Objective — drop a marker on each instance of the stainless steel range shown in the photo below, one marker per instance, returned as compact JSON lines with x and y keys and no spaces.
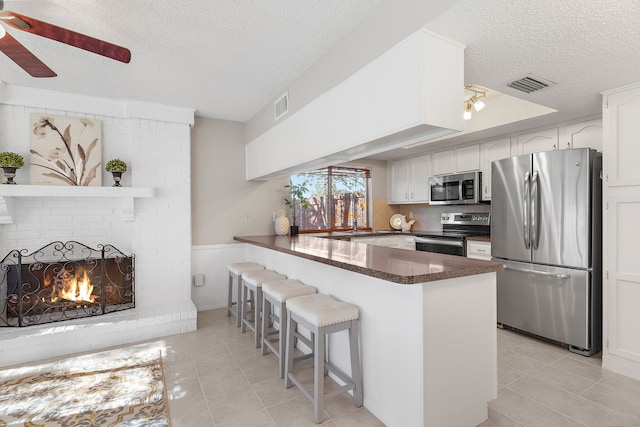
{"x":456,"y":227}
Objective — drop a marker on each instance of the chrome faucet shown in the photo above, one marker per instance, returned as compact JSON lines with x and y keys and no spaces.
{"x":355,"y":224}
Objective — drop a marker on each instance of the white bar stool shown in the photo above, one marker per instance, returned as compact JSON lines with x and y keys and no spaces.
{"x":323,"y":315}
{"x":276,"y":294}
{"x":252,"y":284}
{"x":236,"y":270}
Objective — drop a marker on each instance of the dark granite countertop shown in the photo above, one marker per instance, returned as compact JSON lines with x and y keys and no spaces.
{"x":394,"y":265}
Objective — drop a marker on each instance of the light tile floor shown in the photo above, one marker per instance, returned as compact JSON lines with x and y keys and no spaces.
{"x":215,"y":377}
{"x":544,"y":385}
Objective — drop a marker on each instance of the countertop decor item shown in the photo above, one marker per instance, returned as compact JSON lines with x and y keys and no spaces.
{"x":396,"y":221}
{"x":10,"y":162}
{"x":116,"y":167}
{"x":282,"y":224}
{"x":296,"y":200}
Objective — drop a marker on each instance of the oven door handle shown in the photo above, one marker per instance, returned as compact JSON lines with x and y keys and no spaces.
{"x":443,"y":242}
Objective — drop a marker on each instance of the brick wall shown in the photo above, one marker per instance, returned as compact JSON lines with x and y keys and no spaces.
{"x":157,"y":153}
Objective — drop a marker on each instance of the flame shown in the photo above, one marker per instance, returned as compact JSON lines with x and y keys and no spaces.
{"x":72,"y":289}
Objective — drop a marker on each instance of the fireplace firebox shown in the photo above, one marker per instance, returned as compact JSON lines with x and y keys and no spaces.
{"x":64,"y":281}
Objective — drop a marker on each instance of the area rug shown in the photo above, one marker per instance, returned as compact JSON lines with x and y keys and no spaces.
{"x":122,"y":387}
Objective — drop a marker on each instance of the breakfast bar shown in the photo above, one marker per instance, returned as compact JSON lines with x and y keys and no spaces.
{"x":427,"y":323}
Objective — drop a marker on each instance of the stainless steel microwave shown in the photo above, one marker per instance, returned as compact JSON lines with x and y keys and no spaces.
{"x":456,"y":189}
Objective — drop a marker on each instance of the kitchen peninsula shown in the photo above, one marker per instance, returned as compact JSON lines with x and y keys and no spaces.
{"x":427,"y":323}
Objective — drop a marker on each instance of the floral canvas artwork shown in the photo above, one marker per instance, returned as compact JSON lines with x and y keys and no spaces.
{"x":65,"y":150}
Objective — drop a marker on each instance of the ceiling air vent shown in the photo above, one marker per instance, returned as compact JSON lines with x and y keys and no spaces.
{"x":281,"y":106}
{"x":530,"y":83}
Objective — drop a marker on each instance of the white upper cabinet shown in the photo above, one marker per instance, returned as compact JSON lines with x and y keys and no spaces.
{"x":399,"y":181}
{"x":409,"y":94}
{"x":535,"y":142}
{"x":463,"y":159}
{"x":584,"y":135}
{"x":622,"y":133}
{"x":490,"y":151}
{"x":409,"y":180}
{"x":442,"y":162}
{"x":467,"y":158}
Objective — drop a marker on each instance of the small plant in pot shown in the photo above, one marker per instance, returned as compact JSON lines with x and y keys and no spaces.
{"x":297,"y":198}
{"x":116,"y":167}
{"x":10,"y":162}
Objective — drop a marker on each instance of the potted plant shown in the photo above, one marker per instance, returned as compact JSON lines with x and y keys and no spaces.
{"x":297,"y":197}
{"x":9,"y":162}
{"x":116,"y":167}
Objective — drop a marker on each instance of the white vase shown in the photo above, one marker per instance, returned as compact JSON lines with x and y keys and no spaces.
{"x":282,"y":224}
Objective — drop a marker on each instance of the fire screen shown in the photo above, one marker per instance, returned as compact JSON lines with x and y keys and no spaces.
{"x":64,"y":281}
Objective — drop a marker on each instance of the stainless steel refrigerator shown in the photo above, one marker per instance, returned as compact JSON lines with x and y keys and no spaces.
{"x":546,"y":228}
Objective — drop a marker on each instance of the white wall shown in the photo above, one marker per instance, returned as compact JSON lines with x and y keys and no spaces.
{"x":222,"y":197}
{"x":157,"y":151}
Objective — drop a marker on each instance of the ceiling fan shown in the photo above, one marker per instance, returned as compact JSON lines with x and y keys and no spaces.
{"x":29,"y":62}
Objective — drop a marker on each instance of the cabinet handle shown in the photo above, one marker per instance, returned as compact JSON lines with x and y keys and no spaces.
{"x":554,"y":146}
{"x":406,"y":196}
{"x":568,"y":145}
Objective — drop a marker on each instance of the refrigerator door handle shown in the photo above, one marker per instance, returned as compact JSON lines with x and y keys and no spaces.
{"x":526,"y":212}
{"x":541,"y":273}
{"x":535,"y":214}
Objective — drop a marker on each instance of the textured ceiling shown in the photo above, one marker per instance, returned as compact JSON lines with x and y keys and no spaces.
{"x":585,"y":46}
{"x":228,"y":58}
{"x":224,"y":58}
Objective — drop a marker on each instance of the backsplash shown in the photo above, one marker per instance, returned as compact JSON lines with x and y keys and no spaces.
{"x":428,"y":217}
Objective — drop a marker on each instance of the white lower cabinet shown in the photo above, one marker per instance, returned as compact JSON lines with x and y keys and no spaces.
{"x":479,"y":250}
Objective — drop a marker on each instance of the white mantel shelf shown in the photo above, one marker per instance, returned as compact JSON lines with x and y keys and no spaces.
{"x":127,"y":194}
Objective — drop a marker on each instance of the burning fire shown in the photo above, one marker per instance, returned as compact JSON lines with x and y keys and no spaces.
{"x":68,"y":287}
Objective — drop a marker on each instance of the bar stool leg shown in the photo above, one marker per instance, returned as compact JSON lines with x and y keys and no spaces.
{"x":240,"y":300}
{"x":230,"y":299}
{"x":282,"y":336}
{"x":266,"y":320}
{"x":257,"y":315}
{"x":291,"y":328}
{"x":318,"y":374}
{"x":356,"y":373}
{"x":243,"y":313}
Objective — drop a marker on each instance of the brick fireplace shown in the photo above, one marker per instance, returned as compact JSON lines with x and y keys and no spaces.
{"x":154,"y":140}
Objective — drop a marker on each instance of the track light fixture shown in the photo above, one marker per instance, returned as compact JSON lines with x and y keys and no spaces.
{"x":474,"y":100}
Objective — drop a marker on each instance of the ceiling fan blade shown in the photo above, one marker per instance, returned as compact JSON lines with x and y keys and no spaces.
{"x":65,"y":36}
{"x":25,"y":59}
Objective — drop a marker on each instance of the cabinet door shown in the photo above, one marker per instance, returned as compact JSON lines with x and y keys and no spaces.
{"x":535,"y":142}
{"x":419,"y":180}
{"x":622,"y":277}
{"x":467,"y":158}
{"x":399,"y":181}
{"x":442,"y":162}
{"x":584,"y":135}
{"x":490,"y":151}
{"x":479,"y":250}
